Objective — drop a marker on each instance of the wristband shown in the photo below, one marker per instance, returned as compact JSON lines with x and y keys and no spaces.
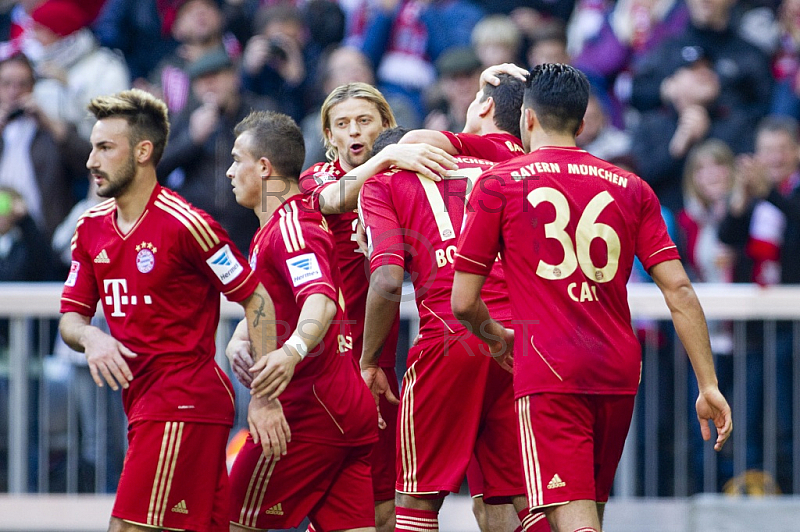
{"x":299,"y":345}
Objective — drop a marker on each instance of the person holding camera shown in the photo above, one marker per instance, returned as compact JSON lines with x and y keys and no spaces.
{"x":274,"y":62}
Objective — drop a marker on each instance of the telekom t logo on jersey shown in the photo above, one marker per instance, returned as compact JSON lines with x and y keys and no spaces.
{"x":119,"y":296}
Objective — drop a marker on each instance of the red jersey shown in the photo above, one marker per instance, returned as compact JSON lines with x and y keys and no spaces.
{"x":351,"y":263}
{"x":294,"y":256}
{"x":160,"y":286}
{"x":414,"y":223}
{"x":568,"y":225}
{"x":495,"y":147}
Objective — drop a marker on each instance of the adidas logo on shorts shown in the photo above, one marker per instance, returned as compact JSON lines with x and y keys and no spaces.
{"x":180,"y":508}
{"x":556,"y":482}
{"x":275,"y":510}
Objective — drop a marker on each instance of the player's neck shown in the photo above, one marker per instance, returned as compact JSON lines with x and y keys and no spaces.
{"x":488,"y":127}
{"x":131,"y":204}
{"x":541,"y":138}
{"x":276,"y":192}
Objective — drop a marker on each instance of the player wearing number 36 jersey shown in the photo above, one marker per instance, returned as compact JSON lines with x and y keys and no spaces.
{"x":567,"y":226}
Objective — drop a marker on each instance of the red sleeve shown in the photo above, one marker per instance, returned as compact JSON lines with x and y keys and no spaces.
{"x":314,"y":180}
{"x":80,"y":289}
{"x":384,"y":232}
{"x":653,"y":244}
{"x":474,"y":145}
{"x":221,"y":263}
{"x":479,"y":242}
{"x":303,"y":256}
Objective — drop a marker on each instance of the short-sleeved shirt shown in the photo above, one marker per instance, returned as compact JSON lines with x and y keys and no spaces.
{"x":495,"y":147}
{"x":567,"y":225}
{"x":294,"y":257}
{"x":414,"y":223}
{"x":351,"y":263}
{"x":159,"y":284}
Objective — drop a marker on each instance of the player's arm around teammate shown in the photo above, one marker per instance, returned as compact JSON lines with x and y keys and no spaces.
{"x":690,"y":324}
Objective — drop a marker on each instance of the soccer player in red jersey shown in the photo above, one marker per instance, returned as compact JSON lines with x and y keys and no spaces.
{"x":567,"y":226}
{"x":158,"y":265}
{"x":352,"y":116}
{"x":412,"y":224}
{"x":318,"y":465}
{"x":492,"y":126}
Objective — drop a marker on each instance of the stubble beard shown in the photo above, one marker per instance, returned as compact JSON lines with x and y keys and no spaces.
{"x":121,"y":182}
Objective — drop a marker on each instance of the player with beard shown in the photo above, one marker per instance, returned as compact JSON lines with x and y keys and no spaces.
{"x":568,"y":226}
{"x":159,"y":265}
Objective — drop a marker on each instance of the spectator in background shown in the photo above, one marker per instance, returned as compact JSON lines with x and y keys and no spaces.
{"x":630,"y":30}
{"x":201,"y":137}
{"x":762,"y":225}
{"x":599,"y":137}
{"x":742,"y":69}
{"x":707,"y":186}
{"x":459,"y":79}
{"x":695,"y":108}
{"x":73,"y":68}
{"x":404,"y":37}
{"x":786,"y":62}
{"x":548,"y":44}
{"x":274,"y":62}
{"x":496,"y":40}
{"x":340,"y":66}
{"x":39,"y":157}
{"x":198,"y":28}
{"x":24,"y":252}
{"x":140,"y":30}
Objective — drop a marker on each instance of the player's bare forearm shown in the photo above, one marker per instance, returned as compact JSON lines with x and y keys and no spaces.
{"x":430,"y":136}
{"x":260,"y":318}
{"x":383,"y":303}
{"x":72,"y":327}
{"x":688,"y":318}
{"x":315,"y":318}
{"x":469,"y":308}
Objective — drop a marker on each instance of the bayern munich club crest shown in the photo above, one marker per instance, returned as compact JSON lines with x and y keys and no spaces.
{"x":145,"y":257}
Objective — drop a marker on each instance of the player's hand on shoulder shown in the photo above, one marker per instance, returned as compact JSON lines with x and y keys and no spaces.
{"x":490,"y":74}
{"x":241,"y":360}
{"x":273,"y":372}
{"x":106,"y":358}
{"x":424,"y":159}
{"x":268,"y":426}
{"x":502,"y":350}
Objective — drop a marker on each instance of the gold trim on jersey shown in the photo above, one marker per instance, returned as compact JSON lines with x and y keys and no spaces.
{"x":662,"y":249}
{"x":402,"y":259}
{"x":238,"y":286}
{"x":408,"y":441}
{"x":124,"y":236}
{"x":254,"y":497}
{"x":545,"y":360}
{"x":167,"y":458}
{"x":230,"y":392}
{"x":192,"y":212}
{"x":290,"y":227}
{"x":76,"y":302}
{"x":530,"y":455}
{"x":205,"y":236}
{"x":422,"y":304}
{"x":98,"y":210}
{"x":314,"y":389}
{"x":315,"y":284}
{"x":457,"y":254}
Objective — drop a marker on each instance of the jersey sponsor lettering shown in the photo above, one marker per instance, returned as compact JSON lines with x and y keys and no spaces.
{"x":303,"y":269}
{"x":72,"y":278}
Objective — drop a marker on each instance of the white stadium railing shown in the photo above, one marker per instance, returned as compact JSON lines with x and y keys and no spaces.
{"x":660,"y":459}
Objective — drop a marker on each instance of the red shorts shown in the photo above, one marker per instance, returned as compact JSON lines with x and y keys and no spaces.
{"x":456,"y":402}
{"x":384,"y":453}
{"x":571,"y":445}
{"x":174,"y":476}
{"x":329,"y":484}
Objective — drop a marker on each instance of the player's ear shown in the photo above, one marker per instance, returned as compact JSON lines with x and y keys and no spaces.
{"x":143,"y":151}
{"x":486,"y":107}
{"x":265,"y":168}
{"x":528,"y":118}
{"x":580,"y":127}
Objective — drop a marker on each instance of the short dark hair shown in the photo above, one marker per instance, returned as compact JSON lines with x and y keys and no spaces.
{"x":146,"y":115}
{"x":558,"y":94}
{"x":22,"y":59}
{"x":779,"y":124}
{"x":507,"y":97}
{"x":278,"y":138}
{"x":391,"y":135}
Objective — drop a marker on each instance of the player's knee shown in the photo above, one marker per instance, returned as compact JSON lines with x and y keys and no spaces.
{"x":384,"y":516}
